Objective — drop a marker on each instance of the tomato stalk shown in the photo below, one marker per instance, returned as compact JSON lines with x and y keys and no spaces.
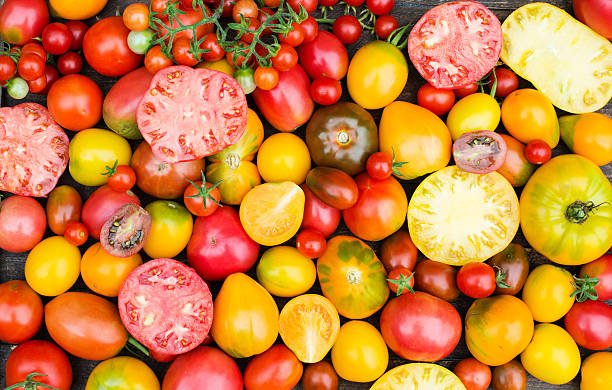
{"x":365,"y":18}
{"x":31,"y":384}
{"x":12,"y":54}
{"x":110,"y":171}
{"x":396,"y":38}
{"x":500,"y":277}
{"x":396,"y":165}
{"x":134,"y":347}
{"x":578,"y":212}
{"x":585,"y":288}
{"x":403,"y":283}
{"x":205,"y":192}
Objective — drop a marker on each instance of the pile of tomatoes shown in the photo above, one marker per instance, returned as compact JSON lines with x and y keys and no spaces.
{"x":352,"y":231}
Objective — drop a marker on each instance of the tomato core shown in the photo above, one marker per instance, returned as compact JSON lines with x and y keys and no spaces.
{"x":343,"y":138}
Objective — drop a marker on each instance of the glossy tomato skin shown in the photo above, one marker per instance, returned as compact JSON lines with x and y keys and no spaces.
{"x":398,"y":250}
{"x":39,"y":356}
{"x":475,"y":112}
{"x":527,"y":114}
{"x":596,"y":14}
{"x":325,"y":55}
{"x":106,"y":50}
{"x":285,"y":272}
{"x":52,"y":266}
{"x":537,"y":152}
{"x":600,"y":268}
{"x":122,"y":371}
{"x":516,"y":168}
{"x":277,"y":368}
{"x":380,"y":210}
{"x":437,"y":279}
{"x":104,"y":273}
{"x":22,"y":223}
{"x":318,"y":215}
{"x":75,"y":102}
{"x":22,"y":20}
{"x":101,"y":205}
{"x":589,"y":135}
{"x":476,"y":280}
{"x":595,"y":371}
{"x":171,"y":228}
{"x":513,"y":262}
{"x":333,"y":187}
{"x":590,"y":324}
{"x":22,"y":312}
{"x":509,"y":376}
{"x":438,"y":101}
{"x":85,"y":325}
{"x":420,"y":326}
{"x":320,"y":376}
{"x":507,"y":82}
{"x":473,"y":374}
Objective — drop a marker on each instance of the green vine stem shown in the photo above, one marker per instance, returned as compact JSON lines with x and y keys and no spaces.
{"x":396,"y":38}
{"x":31,"y":384}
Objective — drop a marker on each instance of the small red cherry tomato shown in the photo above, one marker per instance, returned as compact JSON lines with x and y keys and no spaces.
{"x":120,"y":178}
{"x":286,"y":58}
{"x":473,"y":374}
{"x":467,"y":90}
{"x":325,"y":90}
{"x":380,"y":7}
{"x":311,"y":243}
{"x":438,"y":101}
{"x":295,"y":37}
{"x":202,"y":198}
{"x":537,"y":152}
{"x":76,"y":233}
{"x":476,"y":280}
{"x":385,"y":25}
{"x":56,"y":38}
{"x":401,"y":281}
{"x":310,"y":28}
{"x":379,"y":165}
{"x":77,"y":29}
{"x":69,"y":63}
{"x":347,"y":28}
{"x":507,"y":82}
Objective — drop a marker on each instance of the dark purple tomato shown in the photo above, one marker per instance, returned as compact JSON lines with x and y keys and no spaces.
{"x":479,"y":151}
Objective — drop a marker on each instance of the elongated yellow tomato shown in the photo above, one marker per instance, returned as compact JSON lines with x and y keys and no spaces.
{"x":52,"y":266}
{"x":548,"y":292}
{"x":416,"y":376}
{"x":416,"y":136}
{"x":552,"y":355}
{"x":566,"y":210}
{"x":104,"y":273}
{"x":122,"y":373}
{"x":596,"y":373}
{"x":589,"y":135}
{"x":285,"y":272}
{"x":474,"y":112}
{"x":528,"y":115}
{"x":245,"y":317}
{"x":377,"y":75}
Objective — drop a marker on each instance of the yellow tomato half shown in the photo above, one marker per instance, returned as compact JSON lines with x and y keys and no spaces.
{"x":596,"y":372}
{"x":283,"y":157}
{"x":474,"y":112}
{"x":76,"y":9}
{"x":104,"y":273}
{"x":52,"y":266}
{"x":285,"y":272}
{"x":548,"y":293}
{"x":528,"y":115}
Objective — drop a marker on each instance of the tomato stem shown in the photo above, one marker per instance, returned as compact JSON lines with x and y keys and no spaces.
{"x":403,"y":283}
{"x":205,"y":192}
{"x":132,"y":342}
{"x":585,"y":288}
{"x":396,"y":165}
{"x":396,"y":37}
{"x":31,"y":384}
{"x":500,"y":277}
{"x":578,"y":212}
{"x":110,"y":171}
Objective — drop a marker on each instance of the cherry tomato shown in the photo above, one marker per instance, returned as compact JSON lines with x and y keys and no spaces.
{"x":181,"y":51}
{"x":271,"y":3}
{"x":437,"y":279}
{"x":537,"y":152}
{"x":252,"y":25}
{"x":51,"y":75}
{"x":473,"y":374}
{"x":7,"y":68}
{"x":507,"y":82}
{"x":467,"y":90}
{"x":398,"y":251}
{"x":69,"y":63}
{"x":347,"y":28}
{"x":385,"y":25}
{"x":235,"y":59}
{"x":438,"y":101}
{"x":155,"y":60}
{"x":311,"y":243}
{"x":76,"y":233}
{"x":401,"y":281}
{"x":202,"y":199}
{"x":318,"y":215}
{"x":159,"y":6}
{"x":77,"y":29}
{"x":37,"y":85}
{"x":320,"y":376}
{"x":228,"y":7}
{"x":266,"y":78}
{"x":244,"y":8}
{"x":354,"y":3}
{"x":22,"y":312}
{"x":136,"y":17}
{"x":121,"y":178}
{"x":56,"y":38}
{"x":295,"y":37}
{"x":30,"y":66}
{"x":328,"y":3}
{"x":379,"y":165}
{"x":310,"y":28}
{"x":35,"y":48}
{"x":380,"y":7}
{"x":286,"y":58}
{"x":476,"y":280}
{"x":210,"y":42}
{"x":325,"y":90}
{"x":309,"y":5}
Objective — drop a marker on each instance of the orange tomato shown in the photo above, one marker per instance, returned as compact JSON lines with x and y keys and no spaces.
{"x":528,"y":115}
{"x":589,"y":135}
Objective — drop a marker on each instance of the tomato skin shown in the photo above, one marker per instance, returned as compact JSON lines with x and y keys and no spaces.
{"x":234,"y":180}
{"x":507,"y":82}
{"x":101,"y":205}
{"x":52,"y":266}
{"x":22,"y":20}
{"x":437,"y":279}
{"x":380,"y":7}
{"x":51,"y":75}
{"x":76,"y":233}
{"x":320,"y":376}
{"x":537,"y":152}
{"x":397,"y":274}
{"x":22,"y":223}
{"x":548,"y":292}
{"x":136,"y":17}
{"x":385,"y":25}
{"x":465,"y":91}
{"x":509,"y":376}
{"x":104,"y":273}
{"x":39,"y":356}
{"x":77,"y":29}
{"x":379,"y":165}
{"x":473,"y":374}
{"x":310,"y":243}
{"x":398,"y":250}
{"x":285,"y":272}
{"x":56,"y":38}
{"x":325,"y":55}
{"x":438,"y":101}
{"x":122,"y":371}
{"x":325,"y":90}
{"x":37,"y":85}
{"x":516,"y":168}
{"x":283,"y":157}
{"x":590,"y":324}
{"x":513,"y":262}
{"x":347,"y":28}
{"x":22,"y":312}
{"x":589,"y":135}
{"x":171,"y":228}
{"x":30,"y":66}
{"x":310,"y":27}
{"x":309,"y":5}
{"x":600,"y":268}
{"x":156,"y":60}
{"x":266,"y":78}
{"x":75,"y":102}
{"x":333,"y":187}
{"x":286,"y":58}
{"x":68,"y":9}
{"x":318,"y":215}
{"x":476,"y":280}
{"x":596,"y":14}
{"x":527,"y":114}
{"x":7,"y":68}
{"x":69,"y":63}
{"x":475,"y":112}
{"x":209,"y":368}
{"x":594,"y":371}
{"x":276,"y":368}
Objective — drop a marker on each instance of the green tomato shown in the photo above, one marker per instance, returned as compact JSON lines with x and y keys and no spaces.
{"x":122,"y":373}
{"x":245,"y":78}
{"x":285,"y":272}
{"x":140,"y":41}
{"x":17,"y":88}
{"x":474,"y":112}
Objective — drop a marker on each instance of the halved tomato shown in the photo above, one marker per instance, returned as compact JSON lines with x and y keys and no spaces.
{"x":480,"y":151}
{"x":418,"y":376}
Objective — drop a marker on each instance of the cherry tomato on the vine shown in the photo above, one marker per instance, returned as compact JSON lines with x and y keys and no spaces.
{"x":467,"y":90}
{"x":311,"y":243}
{"x":156,"y":60}
{"x":310,"y":28}
{"x":286,"y":58}
{"x":228,"y":7}
{"x":325,"y":90}
{"x":236,"y":59}
{"x":401,"y":281}
{"x":120,"y":178}
{"x":309,"y":5}
{"x":347,"y":28}
{"x":202,"y":198}
{"x":438,"y":101}
{"x":78,"y":29}
{"x":35,"y":48}
{"x":380,"y":7}
{"x":244,"y":8}
{"x":69,"y":63}
{"x":51,"y":76}
{"x":160,"y":6}
{"x":537,"y":152}
{"x":136,"y":17}
{"x":56,"y":38}
{"x":476,"y":280}
{"x":30,"y":66}
{"x":7,"y":68}
{"x":385,"y":25}
{"x":181,"y":51}
{"x":379,"y":165}
{"x":38,"y":85}
{"x":211,"y":43}
{"x":354,"y":3}
{"x":76,"y":233}
{"x":262,"y":16}
{"x":266,"y":78}
{"x":295,"y":37}
{"x":253,"y":25}
{"x":507,"y":82}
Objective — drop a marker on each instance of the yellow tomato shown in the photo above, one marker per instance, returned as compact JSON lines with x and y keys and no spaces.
{"x":122,"y":373}
{"x":426,"y":376}
{"x":552,"y":355}
{"x":528,"y":115}
{"x":76,"y":9}
{"x":377,"y":75}
{"x":235,"y":179}
{"x":221,"y":65}
{"x":589,"y":135}
{"x":92,"y":150}
{"x":474,"y":112}
{"x":247,"y":145}
{"x":283,"y":157}
{"x":52,"y":266}
{"x":285,"y":272}
{"x":596,"y":372}
{"x":171,"y":228}
{"x":416,"y":136}
{"x":360,"y":353}
{"x":547,"y":293}
{"x":104,"y":273}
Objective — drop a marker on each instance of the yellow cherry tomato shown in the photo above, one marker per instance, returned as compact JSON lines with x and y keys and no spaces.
{"x":552,"y":355}
{"x":283,"y":157}
{"x":52,"y":266}
{"x":221,"y":65}
{"x":122,"y":373}
{"x":360,"y":353}
{"x":589,"y":135}
{"x":474,"y":112}
{"x":285,"y":272}
{"x":104,"y":273}
{"x":596,"y":372}
{"x":76,"y":9}
{"x":547,"y":292}
{"x":171,"y":228}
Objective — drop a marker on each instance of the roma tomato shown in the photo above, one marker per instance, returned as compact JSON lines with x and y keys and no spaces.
{"x":333,"y":187}
{"x":325,"y":55}
{"x":104,"y":273}
{"x":125,"y":370}
{"x":589,"y":135}
{"x":509,"y":376}
{"x":380,"y":209}
{"x":437,"y":279}
{"x":516,"y":168}
{"x":528,"y":114}
{"x":596,"y":14}
{"x":475,"y":112}
{"x":285,"y":272}
{"x":22,"y":20}
{"x":602,"y":270}
{"x":548,"y":292}
{"x":438,"y":101}
{"x":590,"y":324}
{"x":43,"y":357}
{"x":75,"y":102}
{"x":398,"y":250}
{"x":171,"y":228}
{"x":320,"y":376}
{"x":22,"y":223}
{"x":473,"y":374}
{"x":476,"y":280}
{"x":594,"y":371}
{"x":318,"y":215}
{"x":511,"y":267}
{"x":211,"y":370}
{"x":22,"y":312}
{"x":101,"y":205}
{"x":52,"y":266}
{"x":277,"y":368}
{"x":311,"y":243}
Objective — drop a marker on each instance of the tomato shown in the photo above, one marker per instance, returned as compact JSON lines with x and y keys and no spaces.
{"x":221,"y":65}
{"x":293,"y":37}
{"x":401,"y":281}
{"x":308,"y":5}
{"x":548,"y":292}
{"x":497,"y":329}
{"x":379,"y":165}
{"x":210,"y":42}
{"x":320,"y":376}
{"x":325,"y":90}
{"x":7,"y":68}
{"x":56,"y":38}
{"x":310,"y":27}
{"x":75,"y":102}
{"x":310,"y":243}
{"x":455,"y":44}
{"x":245,"y":320}
{"x":69,"y":63}
{"x":333,"y":187}
{"x":509,"y":376}
{"x":589,"y":135}
{"x":22,"y":20}
{"x":276,"y":368}
{"x":283,"y":157}
{"x":347,"y":28}
{"x":76,"y":233}
{"x":596,"y":14}
{"x":101,"y":205}
{"x":398,"y":251}
{"x":594,"y":372}
{"x":465,"y":91}
{"x":156,"y":60}
{"x":35,"y":48}
{"x":473,"y":374}
{"x":121,"y":373}
{"x":285,"y":272}
{"x":476,"y":280}
{"x":590,"y":324}
{"x":37,"y":85}
{"x":30,"y":66}
{"x":437,"y":279}
{"x":318,"y":215}
{"x":325,"y":55}
{"x":377,"y":75}
{"x":516,"y":168}
{"x":475,"y":112}
{"x":77,"y":29}
{"x":181,"y":51}
{"x":22,"y":312}
{"x":209,"y":368}
{"x":406,"y":130}
{"x":136,"y":17}
{"x":438,"y":101}
{"x":528,"y":115}
{"x":63,"y":206}
{"x":380,"y":209}
{"x":507,"y":82}
{"x":42,"y":357}
{"x":234,"y":178}
{"x":244,"y":9}
{"x":74,"y":10}
{"x":479,"y":151}
{"x":551,"y":356}
{"x":51,"y":76}
{"x":573,"y":192}
{"x":202,"y":198}
{"x":601,"y":269}
{"x":187,"y":17}
{"x":104,"y":273}
{"x":512,"y":267}
{"x":171,"y":228}
{"x":419,"y":375}
{"x":537,"y":152}
{"x":360,"y":353}
{"x":266,"y":78}
{"x":246,"y":146}
{"x":380,"y":7}
{"x":22,"y":223}
{"x":352,"y":277}
{"x":293,"y":86}
{"x":385,"y":25}
{"x":121,"y":178}
{"x":52,"y":266}
{"x":342,"y":136}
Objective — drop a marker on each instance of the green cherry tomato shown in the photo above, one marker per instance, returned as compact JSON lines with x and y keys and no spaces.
{"x":140,"y":41}
{"x":246,"y":79}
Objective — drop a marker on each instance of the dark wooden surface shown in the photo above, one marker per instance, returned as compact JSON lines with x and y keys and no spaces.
{"x":407,"y":11}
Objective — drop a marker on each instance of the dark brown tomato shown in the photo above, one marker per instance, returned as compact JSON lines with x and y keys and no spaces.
{"x":320,"y":376}
{"x":473,"y":374}
{"x":166,"y":306}
{"x":190,"y":113}
{"x":101,"y":205}
{"x":126,"y":232}
{"x":514,"y":264}
{"x":333,"y":187}
{"x":318,"y":215}
{"x":479,"y":151}
{"x":398,"y":250}
{"x":277,"y":368}
{"x":516,"y":168}
{"x":63,"y":206}
{"x":509,"y":376}
{"x":437,"y":279}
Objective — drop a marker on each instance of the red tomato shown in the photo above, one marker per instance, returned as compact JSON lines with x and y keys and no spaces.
{"x":7,"y":68}
{"x":156,"y":60}
{"x":211,"y":43}
{"x":286,"y":58}
{"x":63,"y":206}
{"x":178,"y":138}
{"x":590,"y":324}
{"x":309,"y":5}
{"x":78,"y":29}
{"x":181,"y":51}
{"x":601,"y":269}
{"x":22,"y":20}
{"x":436,"y":278}
{"x":516,"y":168}
{"x":320,"y":376}
{"x":465,"y":91}
{"x":121,"y":178}
{"x":56,"y":38}
{"x":75,"y":102}
{"x":22,"y":312}
{"x":310,"y":27}
{"x":266,"y":78}
{"x":325,"y":55}
{"x":318,"y":215}
{"x":30,"y":66}
{"x":596,"y":14}
{"x":379,"y":165}
{"x":401,"y":281}
{"x":473,"y":374}
{"x":177,"y":315}
{"x":245,"y":9}
{"x":22,"y":223}
{"x":52,"y":75}
{"x":106,"y":50}
{"x":380,"y":7}
{"x":420,"y":327}
{"x":76,"y":233}
{"x":325,"y":90}
{"x":43,"y":357}
{"x":438,"y":101}
{"x":35,"y":48}
{"x":311,"y":243}
{"x":202,"y":198}
{"x":507,"y":82}
{"x":219,"y":246}
{"x":398,"y":251}
{"x":101,"y":205}
{"x":476,"y":280}
{"x":209,"y":369}
{"x":385,"y":25}
{"x":480,"y":151}
{"x":347,"y":28}
{"x":293,"y":37}
{"x":455,"y":44}
{"x":37,"y":85}
{"x":277,"y":368}
{"x":537,"y":152}
{"x":69,"y":63}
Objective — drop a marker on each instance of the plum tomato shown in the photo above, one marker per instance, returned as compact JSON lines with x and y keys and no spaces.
{"x":22,"y":312}
{"x":385,"y":25}
{"x":320,"y":376}
{"x":63,"y":206}
{"x":511,"y":269}
{"x":318,"y":215}
{"x":333,"y":187}
{"x":601,"y":269}
{"x":22,"y":223}
{"x":56,"y":38}
{"x":39,"y":357}
{"x":126,"y":231}
{"x":325,"y":90}
{"x":509,"y":376}
{"x":476,"y":280}
{"x":347,"y":28}
{"x":398,"y":251}
{"x":479,"y":151}
{"x":311,"y":243}
{"x":537,"y":152}
{"x":75,"y":102}
{"x":438,"y":101}
{"x":473,"y":374}
{"x":202,"y":198}
{"x":277,"y":368}
{"x":507,"y":82}
{"x":101,"y":205}
{"x":76,"y":233}
{"x":590,"y":324}
{"x":401,"y":281}
{"x":437,"y":279}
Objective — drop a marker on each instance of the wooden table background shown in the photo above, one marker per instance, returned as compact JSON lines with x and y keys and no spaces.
{"x":407,"y":11}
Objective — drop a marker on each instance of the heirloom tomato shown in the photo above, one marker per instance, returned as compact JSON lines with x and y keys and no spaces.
{"x":566,"y":210}
{"x":75,"y":102}
{"x":40,"y":357}
{"x":247,"y":145}
{"x":63,"y":206}
{"x":352,"y":277}
{"x":320,"y":376}
{"x":437,"y":279}
{"x":596,"y":14}
{"x":602,"y":270}
{"x":380,"y":210}
{"x":528,"y":115}
{"x":509,"y":376}
{"x":476,"y":280}
{"x":473,"y":374}
{"x":516,"y":168}
{"x":595,"y":372}
{"x":512,"y":266}
{"x":416,"y":136}
{"x":104,"y":273}
{"x":52,"y":266}
{"x":497,"y":329}
{"x":475,"y":112}
{"x":122,"y":373}
{"x":419,"y":376}
{"x":507,"y":82}
{"x":377,"y":74}
{"x":325,"y":55}
{"x":245,"y":320}
{"x":285,"y":272}
{"x":479,"y":151}
{"x":22,"y":312}
{"x":589,"y":135}
{"x":398,"y":250}
{"x":283,"y":157}
{"x":318,"y":215}
{"x":22,"y":223}
{"x":22,"y":20}
{"x":590,"y":324}
{"x":171,"y":228}
{"x":75,"y":10}
{"x":235,"y":178}
{"x":277,"y":368}
{"x":333,"y":187}
{"x":101,"y":205}
{"x":548,"y":292}
{"x":342,"y":136}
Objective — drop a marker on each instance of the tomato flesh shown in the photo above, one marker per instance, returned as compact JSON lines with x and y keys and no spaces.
{"x":480,"y":151}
